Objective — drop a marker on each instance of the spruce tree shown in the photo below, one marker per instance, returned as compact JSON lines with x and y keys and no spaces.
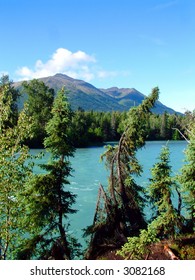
{"x":15,"y":129}
{"x":165,"y":222}
{"x":40,"y":100}
{"x":187,"y":177}
{"x":50,"y":202}
{"x":166,"y":218}
{"x":12,"y":95}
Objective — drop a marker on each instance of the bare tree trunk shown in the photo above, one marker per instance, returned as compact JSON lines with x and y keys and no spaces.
{"x":60,"y":218}
{"x":112,"y":190}
{"x":120,"y":181}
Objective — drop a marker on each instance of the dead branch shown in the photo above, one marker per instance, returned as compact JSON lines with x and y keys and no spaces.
{"x":181,"y":134}
{"x":112,"y":181}
{"x":97,"y":206}
{"x":170,"y":253}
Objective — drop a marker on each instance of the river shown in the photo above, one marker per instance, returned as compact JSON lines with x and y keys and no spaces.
{"x":89,"y":172}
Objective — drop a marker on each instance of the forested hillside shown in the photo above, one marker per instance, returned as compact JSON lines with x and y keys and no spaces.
{"x":94,"y":127}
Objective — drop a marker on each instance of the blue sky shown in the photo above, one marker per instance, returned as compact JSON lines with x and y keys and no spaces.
{"x":123,"y":43}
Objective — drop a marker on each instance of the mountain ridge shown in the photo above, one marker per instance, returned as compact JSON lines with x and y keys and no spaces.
{"x":86,"y":96}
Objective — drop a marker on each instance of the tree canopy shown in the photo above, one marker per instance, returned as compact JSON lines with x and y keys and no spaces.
{"x":40,"y":99}
{"x":48,"y":198}
{"x":15,"y":129}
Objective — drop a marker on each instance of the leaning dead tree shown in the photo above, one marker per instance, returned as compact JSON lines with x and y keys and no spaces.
{"x":174,"y":128}
{"x":119,"y":209}
{"x":187,"y":126}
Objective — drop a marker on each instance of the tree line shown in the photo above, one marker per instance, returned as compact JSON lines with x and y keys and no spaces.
{"x":34,"y":208}
{"x":99,"y":127}
{"x":92,"y":127}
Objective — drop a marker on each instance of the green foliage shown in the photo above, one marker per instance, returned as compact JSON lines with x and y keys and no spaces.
{"x":184,"y":248}
{"x":91,"y":127}
{"x":14,"y":171}
{"x":98,"y":127}
{"x":166,"y":221}
{"x":123,"y":203}
{"x":160,"y":191}
{"x":49,"y":202}
{"x":59,"y":131}
{"x":187,"y":177}
{"x":40,"y":100}
{"x":35,"y":208}
{"x":137,"y":247}
{"x":10,"y":98}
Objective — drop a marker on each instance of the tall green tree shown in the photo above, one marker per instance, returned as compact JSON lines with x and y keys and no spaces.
{"x":187,"y":177}
{"x":162,"y":184}
{"x":12,"y":94}
{"x":122,"y":214}
{"x":14,"y":171}
{"x":80,"y":126}
{"x":50,"y":202}
{"x":166,"y":221}
{"x":164,"y":126}
{"x":40,"y":100}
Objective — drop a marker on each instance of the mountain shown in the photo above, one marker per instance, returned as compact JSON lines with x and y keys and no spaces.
{"x":128,"y":97}
{"x":86,"y":96}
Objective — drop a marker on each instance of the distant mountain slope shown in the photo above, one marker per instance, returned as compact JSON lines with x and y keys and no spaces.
{"x":86,"y":96}
{"x":128,"y":97}
{"x":82,"y":94}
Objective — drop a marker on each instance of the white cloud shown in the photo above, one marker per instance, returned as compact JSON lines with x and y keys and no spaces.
{"x":78,"y":65}
{"x":62,"y":61}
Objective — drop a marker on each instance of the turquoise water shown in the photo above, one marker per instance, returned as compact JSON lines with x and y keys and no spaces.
{"x":89,"y":172}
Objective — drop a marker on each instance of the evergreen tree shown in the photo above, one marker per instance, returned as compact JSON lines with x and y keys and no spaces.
{"x":187,"y":177}
{"x":166,"y":218}
{"x":49,"y":201}
{"x":40,"y":100}
{"x":14,"y":171}
{"x":12,"y":94}
{"x":166,"y":221}
{"x":122,"y":212}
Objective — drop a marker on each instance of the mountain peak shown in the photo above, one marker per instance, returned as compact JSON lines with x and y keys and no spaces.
{"x":60,"y":75}
{"x":86,"y":96}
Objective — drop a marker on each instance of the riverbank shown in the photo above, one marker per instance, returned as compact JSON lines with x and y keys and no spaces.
{"x":182,"y":248}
